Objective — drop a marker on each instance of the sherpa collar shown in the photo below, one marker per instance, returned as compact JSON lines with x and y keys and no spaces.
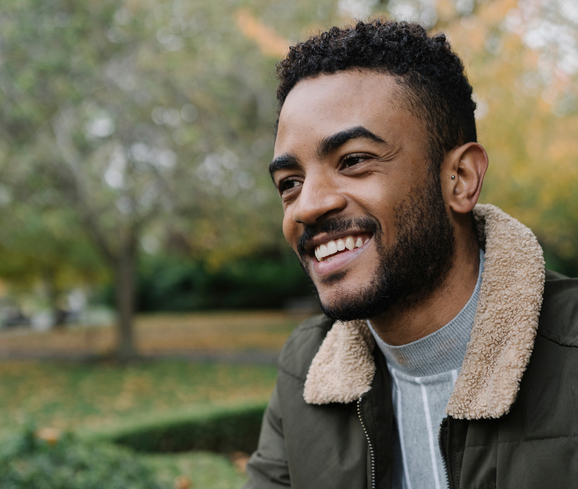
{"x":500,"y":344}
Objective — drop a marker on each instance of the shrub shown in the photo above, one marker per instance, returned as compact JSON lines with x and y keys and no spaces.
{"x":222,"y":430}
{"x":167,"y":283}
{"x":27,"y":461}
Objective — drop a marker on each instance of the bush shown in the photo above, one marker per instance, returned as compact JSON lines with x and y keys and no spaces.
{"x":167,"y":283}
{"x":170,"y":284}
{"x":223,"y":431}
{"x":29,"y":462}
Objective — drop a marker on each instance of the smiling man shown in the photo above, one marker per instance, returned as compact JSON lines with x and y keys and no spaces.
{"x":447,"y":354}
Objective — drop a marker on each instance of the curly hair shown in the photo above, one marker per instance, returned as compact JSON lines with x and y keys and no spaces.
{"x":436,"y":88}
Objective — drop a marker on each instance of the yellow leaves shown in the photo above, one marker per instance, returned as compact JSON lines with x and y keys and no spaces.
{"x":270,"y":43}
{"x":446,"y":10}
{"x":49,"y":435}
{"x":565,"y":153}
{"x":240,"y":460}
{"x":533,"y":170}
{"x":182,"y":482}
{"x":494,"y":12}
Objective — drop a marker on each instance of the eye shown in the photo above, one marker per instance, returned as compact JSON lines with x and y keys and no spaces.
{"x":287,"y":184}
{"x":353,"y":159}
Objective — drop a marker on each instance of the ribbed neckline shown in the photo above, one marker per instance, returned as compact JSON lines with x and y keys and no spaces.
{"x":441,"y":351}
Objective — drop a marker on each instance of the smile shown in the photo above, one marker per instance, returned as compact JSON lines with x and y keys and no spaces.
{"x":326,"y":251}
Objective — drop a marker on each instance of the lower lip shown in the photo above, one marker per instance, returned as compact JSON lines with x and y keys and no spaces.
{"x":338,"y":261}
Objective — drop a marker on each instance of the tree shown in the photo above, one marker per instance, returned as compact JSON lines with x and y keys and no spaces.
{"x":46,"y":249}
{"x":138,"y":119}
{"x":98,"y":109}
{"x":142,"y":120}
{"x":521,"y":59}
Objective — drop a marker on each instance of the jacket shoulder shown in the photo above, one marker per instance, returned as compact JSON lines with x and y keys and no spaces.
{"x":559,"y":315}
{"x":302,"y":346}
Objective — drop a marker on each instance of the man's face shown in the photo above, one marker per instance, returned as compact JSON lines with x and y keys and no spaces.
{"x":362,"y":208}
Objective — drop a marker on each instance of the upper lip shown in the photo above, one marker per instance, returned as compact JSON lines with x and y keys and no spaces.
{"x":324,"y":238}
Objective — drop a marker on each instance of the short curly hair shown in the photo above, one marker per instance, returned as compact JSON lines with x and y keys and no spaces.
{"x":432,"y":75}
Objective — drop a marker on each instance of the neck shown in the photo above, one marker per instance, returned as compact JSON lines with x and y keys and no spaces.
{"x":402,"y":325}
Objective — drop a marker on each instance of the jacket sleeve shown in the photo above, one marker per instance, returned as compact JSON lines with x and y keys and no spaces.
{"x":267,"y":467}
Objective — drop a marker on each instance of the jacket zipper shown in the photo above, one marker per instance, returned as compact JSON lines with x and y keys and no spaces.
{"x":371,"y":454}
{"x":444,"y":450}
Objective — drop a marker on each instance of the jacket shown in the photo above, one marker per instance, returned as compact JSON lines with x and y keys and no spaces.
{"x":512,"y":419}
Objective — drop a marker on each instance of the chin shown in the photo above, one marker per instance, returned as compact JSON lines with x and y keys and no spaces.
{"x":340,"y":306}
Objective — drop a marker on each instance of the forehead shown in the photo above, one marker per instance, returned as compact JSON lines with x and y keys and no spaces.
{"x":319,"y":107}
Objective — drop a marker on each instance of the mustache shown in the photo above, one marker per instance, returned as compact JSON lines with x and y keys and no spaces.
{"x":336,"y":225}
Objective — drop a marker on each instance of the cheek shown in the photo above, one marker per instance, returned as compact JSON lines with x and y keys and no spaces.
{"x":380,"y":201}
{"x":289,"y":230}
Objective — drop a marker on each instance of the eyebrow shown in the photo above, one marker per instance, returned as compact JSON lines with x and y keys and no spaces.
{"x":333,"y":142}
{"x":283,"y":162}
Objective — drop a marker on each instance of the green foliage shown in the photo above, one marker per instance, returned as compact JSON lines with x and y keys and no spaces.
{"x":251,"y":282}
{"x":168,"y":283}
{"x":45,"y":246}
{"x":222,"y":430}
{"x":142,"y":120}
{"x":91,"y":398}
{"x":555,"y":261}
{"x":29,"y":462}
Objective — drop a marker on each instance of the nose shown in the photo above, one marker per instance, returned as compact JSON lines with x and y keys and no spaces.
{"x":318,"y":199}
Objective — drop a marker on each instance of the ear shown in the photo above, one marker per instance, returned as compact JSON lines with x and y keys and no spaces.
{"x":462,"y":175}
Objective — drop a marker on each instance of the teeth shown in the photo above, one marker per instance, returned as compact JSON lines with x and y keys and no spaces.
{"x":331,"y":247}
{"x":324,"y":251}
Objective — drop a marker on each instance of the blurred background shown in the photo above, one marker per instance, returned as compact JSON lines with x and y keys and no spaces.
{"x":145,"y":286}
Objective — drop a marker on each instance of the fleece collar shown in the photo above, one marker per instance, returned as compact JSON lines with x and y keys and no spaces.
{"x":500,"y":344}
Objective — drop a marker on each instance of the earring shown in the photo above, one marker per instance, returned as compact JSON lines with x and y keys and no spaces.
{"x":453,"y":177}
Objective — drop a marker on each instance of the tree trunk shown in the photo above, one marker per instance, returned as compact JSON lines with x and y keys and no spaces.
{"x":53,"y":296}
{"x":125,"y":278}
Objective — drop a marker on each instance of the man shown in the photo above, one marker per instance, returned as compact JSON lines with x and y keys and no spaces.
{"x":438,"y":311}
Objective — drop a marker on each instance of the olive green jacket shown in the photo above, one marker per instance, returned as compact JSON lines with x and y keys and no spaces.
{"x":512,"y":420}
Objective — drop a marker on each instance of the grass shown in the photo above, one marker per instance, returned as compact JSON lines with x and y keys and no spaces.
{"x":83,"y":397}
{"x":88,"y":398}
{"x":203,"y":470}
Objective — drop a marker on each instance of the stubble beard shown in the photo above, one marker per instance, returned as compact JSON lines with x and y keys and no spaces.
{"x":410,"y":270}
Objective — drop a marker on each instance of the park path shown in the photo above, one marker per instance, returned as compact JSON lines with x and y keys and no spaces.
{"x":230,"y":337}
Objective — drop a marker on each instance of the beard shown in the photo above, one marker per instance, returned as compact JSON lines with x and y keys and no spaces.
{"x":408,"y":271}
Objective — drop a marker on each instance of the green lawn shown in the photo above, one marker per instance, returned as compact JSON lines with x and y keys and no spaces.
{"x":87,"y":399}
{"x":93,"y":398}
{"x":203,"y":470}
{"x":82,"y":397}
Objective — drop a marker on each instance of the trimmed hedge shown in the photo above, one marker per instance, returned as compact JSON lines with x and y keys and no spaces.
{"x":222,"y":430}
{"x":29,"y":462}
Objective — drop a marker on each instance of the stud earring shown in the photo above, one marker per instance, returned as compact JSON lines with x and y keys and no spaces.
{"x":453,"y":177}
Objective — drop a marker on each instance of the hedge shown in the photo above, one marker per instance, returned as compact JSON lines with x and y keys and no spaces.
{"x":27,"y":461}
{"x":221,"y":430}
